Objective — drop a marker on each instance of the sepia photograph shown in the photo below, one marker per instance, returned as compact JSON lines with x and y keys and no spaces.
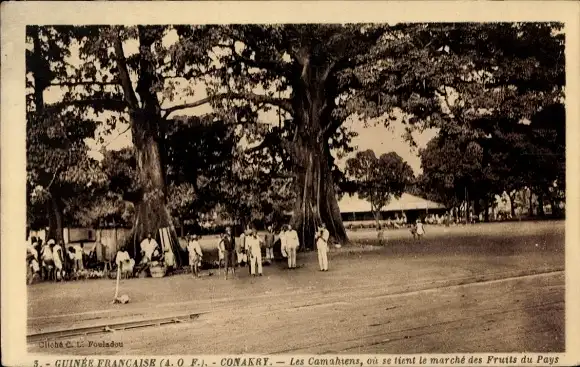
{"x":296,"y":188}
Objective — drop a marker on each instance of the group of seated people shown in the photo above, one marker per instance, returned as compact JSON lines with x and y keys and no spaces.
{"x":151,"y":254}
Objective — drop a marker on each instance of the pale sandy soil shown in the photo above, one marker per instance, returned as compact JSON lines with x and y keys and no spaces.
{"x":482,"y":288}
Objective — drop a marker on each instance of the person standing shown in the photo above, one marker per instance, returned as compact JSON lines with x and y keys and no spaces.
{"x":47,"y":260}
{"x":195,"y":254}
{"x":221,"y":253}
{"x":70,"y":262}
{"x":420,"y":229}
{"x":148,"y":247}
{"x":79,"y":266}
{"x":58,"y":260}
{"x":283,"y":242}
{"x":246,"y":248}
{"x":292,"y":244}
{"x":229,"y":251}
{"x":32,"y":261}
{"x":124,"y":263}
{"x":253,"y":243}
{"x":169,"y":259}
{"x":241,"y":249}
{"x":269,"y":244}
{"x":322,"y":237}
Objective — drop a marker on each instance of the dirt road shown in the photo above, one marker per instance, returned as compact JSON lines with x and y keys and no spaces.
{"x":501,"y":290}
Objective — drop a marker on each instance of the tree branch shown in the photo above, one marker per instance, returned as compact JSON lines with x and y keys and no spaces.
{"x":108,"y":104}
{"x":56,"y":171}
{"x":76,"y":84}
{"x":269,"y":140}
{"x":331,"y":127}
{"x":129,"y":93}
{"x":326,"y":73}
{"x":272,"y":65}
{"x":184,"y":106}
{"x":283,"y":103}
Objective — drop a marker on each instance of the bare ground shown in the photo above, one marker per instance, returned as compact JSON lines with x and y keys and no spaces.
{"x":493,"y":287}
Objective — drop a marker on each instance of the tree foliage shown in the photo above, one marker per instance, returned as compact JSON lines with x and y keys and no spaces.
{"x":379,"y":179}
{"x":279,"y":97}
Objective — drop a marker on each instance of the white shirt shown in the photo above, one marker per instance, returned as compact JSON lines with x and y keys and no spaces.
{"x":55,"y":251}
{"x":46,"y":252}
{"x":30,"y":248}
{"x":420,"y":229}
{"x":221,"y":246}
{"x":325,"y":235}
{"x":122,"y":256}
{"x":193,"y":247}
{"x":148,"y":246}
{"x":283,"y":240}
{"x":71,"y":254}
{"x":169,"y":259}
{"x":292,"y":240}
{"x":253,"y":244}
{"x":78,"y":252}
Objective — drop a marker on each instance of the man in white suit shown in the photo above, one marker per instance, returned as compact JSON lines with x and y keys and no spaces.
{"x":321,"y":238}
{"x":253,"y":244}
{"x":292,"y":244}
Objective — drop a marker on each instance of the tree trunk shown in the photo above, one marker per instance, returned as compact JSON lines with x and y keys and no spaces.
{"x":530,"y":203}
{"x":55,"y":224}
{"x":556,"y":211}
{"x":467,"y":206}
{"x":316,"y":201}
{"x":541,"y":204}
{"x":486,"y":210}
{"x":151,"y":213}
{"x":377,"y":215}
{"x":512,"y":205}
{"x":313,"y":99}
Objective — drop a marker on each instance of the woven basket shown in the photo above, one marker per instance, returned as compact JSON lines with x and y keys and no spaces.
{"x":157,"y":271}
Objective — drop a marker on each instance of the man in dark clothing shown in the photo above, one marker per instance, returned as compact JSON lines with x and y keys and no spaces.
{"x":230,"y":251}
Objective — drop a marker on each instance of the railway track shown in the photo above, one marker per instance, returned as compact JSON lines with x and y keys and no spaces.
{"x":318,"y":302}
{"x":111,"y":327}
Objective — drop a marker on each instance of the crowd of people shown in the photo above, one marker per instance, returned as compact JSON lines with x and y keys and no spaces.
{"x":57,"y":262}
{"x":246,"y":249}
{"x":53,"y":260}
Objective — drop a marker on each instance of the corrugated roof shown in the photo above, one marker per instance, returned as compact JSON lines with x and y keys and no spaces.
{"x":354,"y":204}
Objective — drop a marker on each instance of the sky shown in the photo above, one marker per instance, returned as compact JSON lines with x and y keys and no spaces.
{"x":376,"y":137}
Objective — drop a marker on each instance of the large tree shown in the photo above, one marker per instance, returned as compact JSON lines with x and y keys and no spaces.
{"x":379,"y":179}
{"x":319,"y":75}
{"x":300,"y":70}
{"x":130,"y":87}
{"x":60,"y":172}
{"x":477,"y":83}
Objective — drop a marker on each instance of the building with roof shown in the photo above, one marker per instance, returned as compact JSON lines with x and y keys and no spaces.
{"x":353,"y":208}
